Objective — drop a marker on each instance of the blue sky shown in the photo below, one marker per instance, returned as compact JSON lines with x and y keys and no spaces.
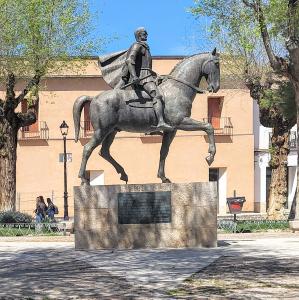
{"x":172,"y":30}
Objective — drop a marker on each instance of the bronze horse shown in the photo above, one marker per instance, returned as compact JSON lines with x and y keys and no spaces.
{"x":114,"y":110}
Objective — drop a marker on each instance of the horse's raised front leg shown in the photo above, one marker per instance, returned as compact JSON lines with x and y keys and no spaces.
{"x":95,"y":140}
{"x":189,"y":124}
{"x":167,"y":139}
{"x":105,"y":153}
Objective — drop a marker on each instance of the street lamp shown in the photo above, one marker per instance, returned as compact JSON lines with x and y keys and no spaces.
{"x":64,"y":131}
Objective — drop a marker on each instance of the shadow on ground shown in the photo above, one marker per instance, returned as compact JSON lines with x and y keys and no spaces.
{"x":62,"y":273}
{"x":244,"y":277}
{"x":48,"y":277}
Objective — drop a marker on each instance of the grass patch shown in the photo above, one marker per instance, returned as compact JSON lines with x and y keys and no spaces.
{"x":264,"y":225}
{"x":7,"y":230}
{"x":244,"y":226}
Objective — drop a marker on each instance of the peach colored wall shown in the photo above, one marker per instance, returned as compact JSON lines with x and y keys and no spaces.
{"x":40,"y":172}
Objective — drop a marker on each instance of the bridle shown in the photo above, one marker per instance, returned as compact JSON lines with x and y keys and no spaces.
{"x":165,"y":77}
{"x":195,"y":88}
{"x":213,"y":59}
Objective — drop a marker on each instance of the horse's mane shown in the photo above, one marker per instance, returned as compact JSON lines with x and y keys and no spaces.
{"x":185,"y":59}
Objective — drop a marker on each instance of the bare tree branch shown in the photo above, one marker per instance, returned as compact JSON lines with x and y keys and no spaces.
{"x":274,"y":62}
{"x":33,"y":82}
{"x":10,"y":85}
{"x":259,"y":14}
{"x":248,"y":4}
{"x":8,"y":106}
{"x":1,"y":108}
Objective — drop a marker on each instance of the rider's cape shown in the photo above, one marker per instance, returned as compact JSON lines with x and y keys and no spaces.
{"x":111,"y":66}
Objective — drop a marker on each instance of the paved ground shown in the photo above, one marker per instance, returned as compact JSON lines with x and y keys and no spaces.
{"x":260,"y":268}
{"x":243,"y":267}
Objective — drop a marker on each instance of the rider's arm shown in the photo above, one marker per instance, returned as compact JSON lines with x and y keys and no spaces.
{"x":131,"y":60}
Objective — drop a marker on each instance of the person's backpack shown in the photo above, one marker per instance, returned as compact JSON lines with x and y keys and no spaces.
{"x":56,"y":211}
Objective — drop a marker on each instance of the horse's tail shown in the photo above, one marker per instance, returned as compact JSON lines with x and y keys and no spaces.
{"x":77,"y":109}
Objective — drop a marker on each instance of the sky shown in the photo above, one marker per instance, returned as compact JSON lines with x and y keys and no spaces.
{"x":172,"y":30}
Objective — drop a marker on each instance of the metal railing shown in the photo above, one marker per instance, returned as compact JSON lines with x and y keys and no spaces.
{"x":292,"y":139}
{"x":86,"y":129}
{"x":32,"y":229}
{"x":221,"y":125}
{"x":27,"y":133}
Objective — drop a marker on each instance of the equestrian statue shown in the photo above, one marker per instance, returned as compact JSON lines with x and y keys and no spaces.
{"x":142,"y":101}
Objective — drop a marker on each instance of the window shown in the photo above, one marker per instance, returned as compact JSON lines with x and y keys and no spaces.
{"x":268,"y":182}
{"x":214,"y":111}
{"x":86,"y":111}
{"x":33,"y":127}
{"x":219,"y":175}
{"x":213,"y":174}
{"x":88,"y":129}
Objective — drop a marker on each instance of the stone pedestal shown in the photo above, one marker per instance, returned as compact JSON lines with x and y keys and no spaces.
{"x":294,"y":225}
{"x":188,"y":218}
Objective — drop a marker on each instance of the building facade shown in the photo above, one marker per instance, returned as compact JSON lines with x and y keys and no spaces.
{"x":40,"y":146}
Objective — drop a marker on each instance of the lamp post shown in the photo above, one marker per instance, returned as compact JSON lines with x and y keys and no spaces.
{"x":64,"y":131}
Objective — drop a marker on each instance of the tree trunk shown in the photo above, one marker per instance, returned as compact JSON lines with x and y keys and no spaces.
{"x":279,"y":165}
{"x":296,"y":204}
{"x":8,"y":158}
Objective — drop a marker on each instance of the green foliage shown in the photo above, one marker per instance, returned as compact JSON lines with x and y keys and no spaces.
{"x":235,"y":26}
{"x":14,"y":217}
{"x":283,"y":97}
{"x":230,"y":22}
{"x":36,"y":33}
{"x":236,"y":18}
{"x":276,"y":13}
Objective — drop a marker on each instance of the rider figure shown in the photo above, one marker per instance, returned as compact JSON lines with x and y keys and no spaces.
{"x":138,"y":65}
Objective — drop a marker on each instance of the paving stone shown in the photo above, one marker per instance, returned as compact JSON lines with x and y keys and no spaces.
{"x":243,"y":267}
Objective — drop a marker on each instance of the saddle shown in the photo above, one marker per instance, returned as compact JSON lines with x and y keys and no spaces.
{"x":138,"y":98}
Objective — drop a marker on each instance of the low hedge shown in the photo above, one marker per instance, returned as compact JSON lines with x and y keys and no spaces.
{"x":15,"y":217}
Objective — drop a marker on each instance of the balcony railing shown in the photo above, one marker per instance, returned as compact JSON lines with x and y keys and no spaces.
{"x":86,"y":130}
{"x":28,"y":133}
{"x":293,"y":139}
{"x":222,"y":126}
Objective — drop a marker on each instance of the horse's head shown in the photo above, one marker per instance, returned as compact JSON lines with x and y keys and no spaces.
{"x":211,"y":71}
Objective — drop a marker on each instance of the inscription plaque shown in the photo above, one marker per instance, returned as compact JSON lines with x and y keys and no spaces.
{"x":144,"y":207}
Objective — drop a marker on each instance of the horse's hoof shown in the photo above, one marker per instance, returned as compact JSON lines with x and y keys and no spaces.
{"x":209,"y":159}
{"x":166,"y":180}
{"x":124,"y":177}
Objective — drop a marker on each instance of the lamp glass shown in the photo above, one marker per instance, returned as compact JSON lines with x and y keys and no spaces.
{"x":64,"y":128}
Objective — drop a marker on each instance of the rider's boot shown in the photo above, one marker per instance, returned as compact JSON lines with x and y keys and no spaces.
{"x":162,"y":125}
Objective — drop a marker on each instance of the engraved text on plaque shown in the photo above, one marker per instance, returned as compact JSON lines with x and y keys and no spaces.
{"x":144,"y":207}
